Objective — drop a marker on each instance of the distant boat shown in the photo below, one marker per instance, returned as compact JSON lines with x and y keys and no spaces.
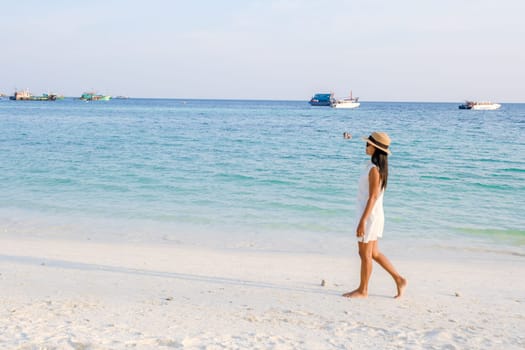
{"x":347,"y":102}
{"x":322,"y":99}
{"x":483,"y":105}
{"x":93,"y":96}
{"x":25,"y":95}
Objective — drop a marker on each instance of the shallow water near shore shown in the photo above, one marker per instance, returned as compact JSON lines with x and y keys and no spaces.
{"x":256,"y":173}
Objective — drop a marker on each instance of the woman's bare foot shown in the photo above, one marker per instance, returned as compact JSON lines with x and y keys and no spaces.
{"x":355,"y":294}
{"x":401,"y":285}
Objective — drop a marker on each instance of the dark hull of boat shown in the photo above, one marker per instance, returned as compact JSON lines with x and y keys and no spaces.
{"x":319,"y":103}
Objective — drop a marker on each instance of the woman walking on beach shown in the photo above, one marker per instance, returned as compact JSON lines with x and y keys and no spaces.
{"x":372,"y":185}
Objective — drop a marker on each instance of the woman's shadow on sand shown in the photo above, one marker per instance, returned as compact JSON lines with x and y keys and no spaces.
{"x":73,"y":265}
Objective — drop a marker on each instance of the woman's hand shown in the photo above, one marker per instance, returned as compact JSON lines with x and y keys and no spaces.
{"x":360,"y":231}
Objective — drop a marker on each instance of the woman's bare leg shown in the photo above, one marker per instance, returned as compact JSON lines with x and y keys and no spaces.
{"x":365,"y":253}
{"x":382,"y":260}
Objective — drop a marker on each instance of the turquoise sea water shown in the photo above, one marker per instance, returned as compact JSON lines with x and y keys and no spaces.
{"x":255,"y":171}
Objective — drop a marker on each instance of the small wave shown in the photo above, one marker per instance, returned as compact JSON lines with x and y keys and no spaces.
{"x":488,"y":186}
{"x":274,"y":182}
{"x":235,"y":177}
{"x":442,"y":178}
{"x":513,"y":170}
{"x":514,"y":236}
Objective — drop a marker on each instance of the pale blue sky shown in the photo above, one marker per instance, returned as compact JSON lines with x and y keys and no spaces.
{"x":383,"y":50}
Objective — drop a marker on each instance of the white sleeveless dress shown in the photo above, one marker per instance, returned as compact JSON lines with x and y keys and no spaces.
{"x":376,"y":221}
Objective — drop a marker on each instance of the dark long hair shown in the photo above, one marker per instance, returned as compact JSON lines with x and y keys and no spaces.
{"x":380,"y":159}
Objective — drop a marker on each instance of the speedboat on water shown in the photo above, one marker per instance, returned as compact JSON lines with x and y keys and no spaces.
{"x":483,"y":105}
{"x":347,"y":102}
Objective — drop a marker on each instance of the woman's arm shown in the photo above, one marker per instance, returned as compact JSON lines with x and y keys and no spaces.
{"x":374,"y":185}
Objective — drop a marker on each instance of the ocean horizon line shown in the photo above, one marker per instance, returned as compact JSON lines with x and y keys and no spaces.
{"x":118,"y":97}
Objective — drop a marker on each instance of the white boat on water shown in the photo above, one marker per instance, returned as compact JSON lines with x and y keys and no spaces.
{"x":482,"y":106}
{"x":347,"y":102}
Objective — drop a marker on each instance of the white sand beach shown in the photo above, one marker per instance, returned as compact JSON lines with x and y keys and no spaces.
{"x":89,"y":295}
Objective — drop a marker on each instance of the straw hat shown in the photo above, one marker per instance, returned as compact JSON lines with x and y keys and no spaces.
{"x":379,"y":140}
